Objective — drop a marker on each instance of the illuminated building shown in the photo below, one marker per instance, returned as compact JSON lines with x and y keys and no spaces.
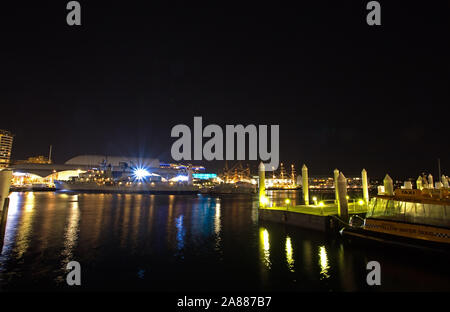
{"x":204,"y":176}
{"x":6,"y":141}
{"x":182,"y":166}
{"x":34,"y":160}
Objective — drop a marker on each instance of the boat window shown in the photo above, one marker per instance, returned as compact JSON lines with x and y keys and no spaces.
{"x":427,"y":214}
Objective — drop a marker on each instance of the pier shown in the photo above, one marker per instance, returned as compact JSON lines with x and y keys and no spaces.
{"x":322,"y":218}
{"x":325,"y":216}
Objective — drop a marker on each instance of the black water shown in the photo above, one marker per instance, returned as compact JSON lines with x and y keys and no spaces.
{"x":188,"y":243}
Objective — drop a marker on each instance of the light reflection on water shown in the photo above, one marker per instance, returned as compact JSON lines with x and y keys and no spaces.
{"x":265,"y":244}
{"x":324,"y":267}
{"x":159,"y":242}
{"x":71,"y":235}
{"x":25,"y":227}
{"x":217,"y":224}
{"x":180,"y":232}
{"x":289,"y":254}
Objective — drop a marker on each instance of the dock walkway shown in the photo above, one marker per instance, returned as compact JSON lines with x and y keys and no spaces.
{"x":321,"y":218}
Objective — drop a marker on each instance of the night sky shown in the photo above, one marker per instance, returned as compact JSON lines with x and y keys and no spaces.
{"x":345,"y":94}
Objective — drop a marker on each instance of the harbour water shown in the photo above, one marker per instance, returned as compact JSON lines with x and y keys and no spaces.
{"x":189,"y":243}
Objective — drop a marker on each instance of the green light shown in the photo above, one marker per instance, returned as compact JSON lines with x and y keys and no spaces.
{"x":361,"y":202}
{"x":287,"y":201}
{"x":321,"y":204}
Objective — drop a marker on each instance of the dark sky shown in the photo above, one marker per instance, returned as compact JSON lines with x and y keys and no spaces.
{"x":345,"y":94}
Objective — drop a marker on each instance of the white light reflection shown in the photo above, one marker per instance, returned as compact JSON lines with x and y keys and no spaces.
{"x":217,"y":225}
{"x":289,"y":254}
{"x":25,"y":226}
{"x":265,"y":244}
{"x":323,"y":261}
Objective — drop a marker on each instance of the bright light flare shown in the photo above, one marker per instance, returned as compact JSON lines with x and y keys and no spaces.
{"x":263,"y":200}
{"x":140,"y":173}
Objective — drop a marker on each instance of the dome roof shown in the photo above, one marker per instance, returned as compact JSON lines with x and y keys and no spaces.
{"x":97,"y":160}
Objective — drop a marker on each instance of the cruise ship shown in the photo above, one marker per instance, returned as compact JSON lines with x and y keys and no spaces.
{"x":126,"y":187}
{"x":127,"y":175}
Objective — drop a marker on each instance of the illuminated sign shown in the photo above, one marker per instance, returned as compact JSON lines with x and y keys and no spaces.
{"x":204,"y":176}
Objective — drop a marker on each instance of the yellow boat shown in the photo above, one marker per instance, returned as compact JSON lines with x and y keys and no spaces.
{"x":416,"y":218}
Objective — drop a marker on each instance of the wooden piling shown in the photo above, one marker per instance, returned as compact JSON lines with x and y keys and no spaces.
{"x":343,"y":203}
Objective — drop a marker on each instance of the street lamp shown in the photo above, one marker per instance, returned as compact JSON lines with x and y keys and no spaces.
{"x":287,"y":201}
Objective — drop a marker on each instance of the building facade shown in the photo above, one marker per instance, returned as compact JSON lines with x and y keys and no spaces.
{"x":34,"y":160}
{"x":6,"y":141}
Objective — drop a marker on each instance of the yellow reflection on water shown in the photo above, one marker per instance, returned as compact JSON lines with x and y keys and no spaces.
{"x":25,"y":226}
{"x":14,"y":201}
{"x":29,"y":202}
{"x":125,"y":226}
{"x":71,"y":235}
{"x":171,"y":224}
{"x":136,"y":220}
{"x":264,"y":241}
{"x":323,"y":261}
{"x":289,"y":254}
{"x":151,"y":213}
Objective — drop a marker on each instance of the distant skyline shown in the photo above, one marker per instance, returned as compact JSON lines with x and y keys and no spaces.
{"x":345,"y":95}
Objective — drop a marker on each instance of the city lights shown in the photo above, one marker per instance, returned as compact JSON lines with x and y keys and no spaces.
{"x":243,"y":157}
{"x":180,"y":178}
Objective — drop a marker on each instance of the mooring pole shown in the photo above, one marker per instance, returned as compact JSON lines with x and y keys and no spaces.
{"x":388,"y":185}
{"x":444,"y":181}
{"x":262,"y":185}
{"x":365,"y":186}
{"x":336,"y":193}
{"x":5,"y":184}
{"x":430,"y":181}
{"x":305,"y":184}
{"x":419,"y":183}
{"x":342,"y":203}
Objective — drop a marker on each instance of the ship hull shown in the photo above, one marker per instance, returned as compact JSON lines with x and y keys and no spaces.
{"x":156,"y":188}
{"x":223,"y":189}
{"x":362,"y":235}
